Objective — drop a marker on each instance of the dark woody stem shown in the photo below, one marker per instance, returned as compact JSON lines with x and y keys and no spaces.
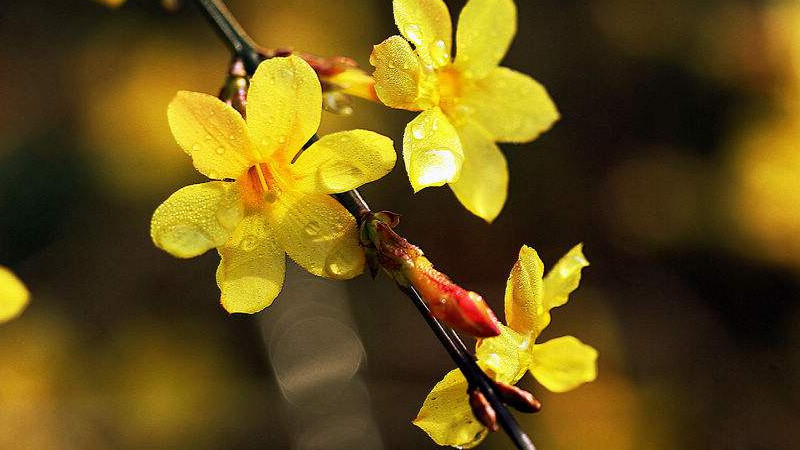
{"x":245,"y":50}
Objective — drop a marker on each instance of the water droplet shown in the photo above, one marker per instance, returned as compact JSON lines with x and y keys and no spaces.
{"x":312,"y":228}
{"x":249,"y":243}
{"x":414,"y":34}
{"x":439,"y":53}
{"x":270,"y":197}
{"x":282,"y":139}
{"x":392,"y":66}
{"x":208,"y":137}
{"x":434,"y":167}
{"x":344,"y":138}
{"x":195,"y":147}
{"x":265,"y":141}
{"x":219,"y":150}
{"x":229,"y":217}
{"x":232,"y":137}
{"x":285,"y":74}
{"x":418,"y":131}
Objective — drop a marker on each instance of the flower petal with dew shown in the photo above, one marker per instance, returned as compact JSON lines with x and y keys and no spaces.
{"x":212,"y":133}
{"x":471,"y":92}
{"x":432,"y":150}
{"x":251,"y":267}
{"x":269,"y":205}
{"x":197,"y":218}
{"x":560,"y":364}
{"x":14,"y":296}
{"x":426,"y":24}
{"x":401,"y":80}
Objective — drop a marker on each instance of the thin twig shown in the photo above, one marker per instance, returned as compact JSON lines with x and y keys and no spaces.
{"x":244,"y":48}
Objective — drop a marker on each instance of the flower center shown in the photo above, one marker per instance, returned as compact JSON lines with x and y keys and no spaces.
{"x":450,"y":84}
{"x":260,"y":186}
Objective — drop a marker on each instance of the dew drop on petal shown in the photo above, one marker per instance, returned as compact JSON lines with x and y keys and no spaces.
{"x":434,"y":167}
{"x":219,"y":150}
{"x":344,"y":138}
{"x":285,"y":74}
{"x":282,"y":139}
{"x":418,"y":131}
{"x":195,"y":147}
{"x":249,"y":243}
{"x":414,"y":34}
{"x":312,"y":228}
{"x":439,"y":53}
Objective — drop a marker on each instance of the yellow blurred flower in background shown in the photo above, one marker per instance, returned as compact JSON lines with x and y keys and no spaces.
{"x":559,"y":364}
{"x":276,"y":205}
{"x":14,"y":296}
{"x":469,"y":103}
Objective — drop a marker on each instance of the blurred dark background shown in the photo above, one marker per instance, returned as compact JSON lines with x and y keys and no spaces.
{"x":676,"y":162}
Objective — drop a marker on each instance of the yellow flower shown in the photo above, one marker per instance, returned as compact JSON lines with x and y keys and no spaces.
{"x":276,"y":204}
{"x":560,"y":364}
{"x":14,"y":297}
{"x":468,"y":103}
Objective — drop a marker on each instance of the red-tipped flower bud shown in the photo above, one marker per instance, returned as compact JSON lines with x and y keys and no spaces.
{"x":482,"y":410}
{"x":455,"y":306}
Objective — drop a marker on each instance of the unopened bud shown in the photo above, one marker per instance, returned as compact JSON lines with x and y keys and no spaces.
{"x":482,"y":410}
{"x":455,"y":306}
{"x":518,"y":398}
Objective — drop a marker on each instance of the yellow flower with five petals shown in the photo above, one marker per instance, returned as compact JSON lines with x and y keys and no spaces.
{"x":14,"y":296}
{"x":469,"y":102}
{"x":265,"y":200}
{"x":559,"y":364}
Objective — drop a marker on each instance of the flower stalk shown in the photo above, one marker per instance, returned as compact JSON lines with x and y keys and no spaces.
{"x":412,"y":272}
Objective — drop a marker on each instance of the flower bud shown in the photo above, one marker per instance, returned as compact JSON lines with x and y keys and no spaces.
{"x":482,"y":410}
{"x":455,"y":306}
{"x":518,"y":398}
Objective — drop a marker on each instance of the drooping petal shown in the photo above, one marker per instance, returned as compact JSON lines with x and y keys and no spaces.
{"x":432,"y":151}
{"x":563,"y":278}
{"x":564,"y":363}
{"x":212,"y":133}
{"x":483,"y":184}
{"x":507,"y":356}
{"x":196,"y":218}
{"x":342,"y":161}
{"x":446,"y":415}
{"x":484,"y":33}
{"x":284,"y":104}
{"x":14,"y":296}
{"x":512,"y":106}
{"x":427,"y":24}
{"x":401,"y":80}
{"x":319,"y":234}
{"x":252,"y":266}
{"x":354,"y":81}
{"x":524,"y":294}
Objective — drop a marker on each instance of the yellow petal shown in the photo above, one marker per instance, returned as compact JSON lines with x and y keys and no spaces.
{"x":485,"y":30}
{"x":401,"y":80}
{"x":284,"y":104}
{"x":432,"y":150}
{"x":524,"y":294}
{"x":319,"y":234}
{"x":342,"y":161}
{"x":446,"y":416}
{"x":506,"y":357}
{"x":196,"y":218}
{"x":426,"y":23}
{"x":14,"y":296}
{"x":563,"y":278}
{"x":483,"y":185}
{"x":564,"y":363}
{"x":512,"y":106}
{"x":212,"y":133}
{"x":251,"y":269}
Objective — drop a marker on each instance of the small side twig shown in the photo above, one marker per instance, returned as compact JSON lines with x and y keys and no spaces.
{"x":245,"y":50}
